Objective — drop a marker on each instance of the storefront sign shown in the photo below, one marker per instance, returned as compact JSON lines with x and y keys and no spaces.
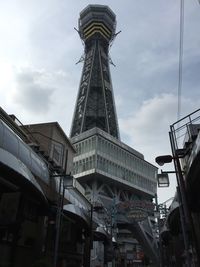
{"x":137,"y":215}
{"x":136,"y":204}
{"x":135,"y":210}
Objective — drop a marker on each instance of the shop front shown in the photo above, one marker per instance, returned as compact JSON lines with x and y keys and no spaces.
{"x":22,"y":213}
{"x":74,"y":237}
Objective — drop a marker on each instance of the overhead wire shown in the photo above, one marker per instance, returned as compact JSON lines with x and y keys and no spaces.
{"x":180,"y":71}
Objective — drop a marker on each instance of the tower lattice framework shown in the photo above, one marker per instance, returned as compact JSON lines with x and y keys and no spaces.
{"x":95,"y":105}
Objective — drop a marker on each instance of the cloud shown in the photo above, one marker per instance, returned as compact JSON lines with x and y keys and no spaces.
{"x":147,"y":130}
{"x":33,"y":91}
{"x":40,"y":95}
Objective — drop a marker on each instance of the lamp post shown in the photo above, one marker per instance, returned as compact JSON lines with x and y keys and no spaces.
{"x":160,"y":214}
{"x":65,"y":182}
{"x":158,"y":222}
{"x":91,"y":235}
{"x":184,"y":211}
{"x":163,"y":179}
{"x":183,"y":136}
{"x":161,"y":160}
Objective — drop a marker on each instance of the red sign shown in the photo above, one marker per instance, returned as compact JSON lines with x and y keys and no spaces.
{"x":136,"y":204}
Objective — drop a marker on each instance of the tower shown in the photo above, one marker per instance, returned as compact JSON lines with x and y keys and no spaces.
{"x":110,"y":171}
{"x":95,"y":105}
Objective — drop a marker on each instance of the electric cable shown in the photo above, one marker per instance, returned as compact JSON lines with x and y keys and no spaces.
{"x":180,"y":74}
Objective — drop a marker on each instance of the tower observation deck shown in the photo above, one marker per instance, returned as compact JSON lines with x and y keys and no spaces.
{"x":95,"y":105}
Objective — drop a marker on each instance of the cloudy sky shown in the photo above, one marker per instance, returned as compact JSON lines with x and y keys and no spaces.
{"x":39,"y":78}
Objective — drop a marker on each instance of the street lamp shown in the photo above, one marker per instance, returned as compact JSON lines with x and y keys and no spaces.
{"x":163,"y":179}
{"x":184,"y":217}
{"x":160,"y":213}
{"x":161,"y":160}
{"x":66,"y":182}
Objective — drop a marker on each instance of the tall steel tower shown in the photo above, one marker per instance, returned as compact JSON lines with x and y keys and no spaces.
{"x":95,"y":105}
{"x":110,"y":171}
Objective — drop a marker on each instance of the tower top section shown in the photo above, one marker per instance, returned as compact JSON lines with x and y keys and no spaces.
{"x":97,"y":22}
{"x":95,"y":106}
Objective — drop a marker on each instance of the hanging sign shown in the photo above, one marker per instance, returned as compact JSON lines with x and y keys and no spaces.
{"x":135,"y":210}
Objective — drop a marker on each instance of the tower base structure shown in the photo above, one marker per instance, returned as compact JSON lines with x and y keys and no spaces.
{"x":118,"y":179}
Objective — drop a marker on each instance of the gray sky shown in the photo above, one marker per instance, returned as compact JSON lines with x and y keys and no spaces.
{"x":39,"y":78}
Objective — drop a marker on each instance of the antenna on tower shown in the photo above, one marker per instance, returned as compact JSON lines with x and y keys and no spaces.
{"x":111,"y":62}
{"x":77,"y":31}
{"x":111,"y":43}
{"x":113,"y":38}
{"x":82,"y":58}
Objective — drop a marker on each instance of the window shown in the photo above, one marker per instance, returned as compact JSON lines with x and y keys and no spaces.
{"x":104,"y":166}
{"x":87,"y":146}
{"x":57,"y":154}
{"x":24,"y":154}
{"x":93,"y":143}
{"x":10,"y":142}
{"x":83,"y":165}
{"x":1,"y":133}
{"x":86,"y":164}
{"x":36,"y":165}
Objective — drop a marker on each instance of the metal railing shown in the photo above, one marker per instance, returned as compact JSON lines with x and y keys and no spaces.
{"x":184,"y":130}
{"x":183,"y":134}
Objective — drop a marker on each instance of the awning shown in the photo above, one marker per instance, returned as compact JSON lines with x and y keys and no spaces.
{"x":17,"y":174}
{"x":165,"y":233}
{"x":173,"y":218}
{"x":99,"y":234}
{"x":164,"y":230}
{"x":78,"y":214}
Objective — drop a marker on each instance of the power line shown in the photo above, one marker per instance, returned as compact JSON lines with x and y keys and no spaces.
{"x":180,"y":75}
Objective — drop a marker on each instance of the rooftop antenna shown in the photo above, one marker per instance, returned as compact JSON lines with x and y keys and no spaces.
{"x":111,"y":43}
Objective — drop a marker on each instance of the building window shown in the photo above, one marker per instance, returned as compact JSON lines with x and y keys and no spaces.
{"x":10,"y":142}
{"x":24,"y":154}
{"x":57,"y":154}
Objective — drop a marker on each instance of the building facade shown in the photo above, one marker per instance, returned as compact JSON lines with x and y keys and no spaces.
{"x":180,"y":235}
{"x":34,"y":200}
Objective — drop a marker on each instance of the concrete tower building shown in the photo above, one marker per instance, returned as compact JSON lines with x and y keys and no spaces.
{"x":110,"y":171}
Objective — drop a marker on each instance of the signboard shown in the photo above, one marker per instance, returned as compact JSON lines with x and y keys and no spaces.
{"x":135,"y":210}
{"x":136,"y":204}
{"x":137,"y":215}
